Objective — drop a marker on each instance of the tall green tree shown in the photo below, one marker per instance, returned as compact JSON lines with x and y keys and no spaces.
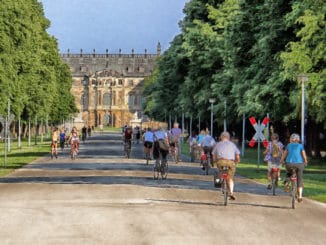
{"x":31,"y":71}
{"x":307,"y":55}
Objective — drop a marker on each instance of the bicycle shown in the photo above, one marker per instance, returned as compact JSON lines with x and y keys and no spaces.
{"x":127,"y":148}
{"x":224,"y":184}
{"x":147,"y":157}
{"x":205,"y":162}
{"x":161,"y":168}
{"x":174,"y":152}
{"x":73,"y":150}
{"x":193,"y":153}
{"x":274,"y":175}
{"x":54,"y":150}
{"x":293,"y":188}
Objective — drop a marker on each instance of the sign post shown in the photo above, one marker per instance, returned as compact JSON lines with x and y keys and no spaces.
{"x":259,"y":135}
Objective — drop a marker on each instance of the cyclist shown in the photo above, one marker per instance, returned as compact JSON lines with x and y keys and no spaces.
{"x":62,"y":138}
{"x":295,"y":157}
{"x":226,"y":153}
{"x":127,"y":136}
{"x":148,"y":142}
{"x":54,"y":145}
{"x":73,"y":138}
{"x":273,"y":154}
{"x":160,"y":135}
{"x":175,"y":140}
{"x":207,"y":144}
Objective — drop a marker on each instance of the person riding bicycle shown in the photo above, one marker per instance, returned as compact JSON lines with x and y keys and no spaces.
{"x":73,"y":138}
{"x":175,"y":138}
{"x":226,"y":153}
{"x":160,"y":135}
{"x":148,"y":142}
{"x":62,"y":138}
{"x":273,"y":154}
{"x":127,"y":135}
{"x":55,"y":139}
{"x":295,"y":158}
{"x":207,"y":145}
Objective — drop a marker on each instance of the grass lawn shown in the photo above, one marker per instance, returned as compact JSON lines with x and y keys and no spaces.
{"x":20,"y":157}
{"x":314,"y":175}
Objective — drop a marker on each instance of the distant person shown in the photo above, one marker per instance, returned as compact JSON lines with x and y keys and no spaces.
{"x":89,"y":131}
{"x":295,"y":158}
{"x":62,"y":137}
{"x":84,"y":133}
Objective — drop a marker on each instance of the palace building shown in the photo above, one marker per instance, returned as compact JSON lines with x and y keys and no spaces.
{"x":108,"y":87}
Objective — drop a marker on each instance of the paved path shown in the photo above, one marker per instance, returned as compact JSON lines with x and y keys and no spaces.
{"x":103,"y":198}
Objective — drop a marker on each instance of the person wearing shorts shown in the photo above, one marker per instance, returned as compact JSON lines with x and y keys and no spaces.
{"x":148,"y":142}
{"x":295,"y":158}
{"x":226,"y":153}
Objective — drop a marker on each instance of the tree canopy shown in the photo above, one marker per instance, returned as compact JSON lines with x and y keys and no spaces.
{"x":248,"y":54}
{"x":32,"y":75}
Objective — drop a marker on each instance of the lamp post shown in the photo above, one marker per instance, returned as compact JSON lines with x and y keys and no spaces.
{"x":212,"y":101}
{"x":302,"y":79}
{"x":224,"y":128}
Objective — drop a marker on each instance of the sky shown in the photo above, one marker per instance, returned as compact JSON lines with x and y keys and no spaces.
{"x":113,"y":24}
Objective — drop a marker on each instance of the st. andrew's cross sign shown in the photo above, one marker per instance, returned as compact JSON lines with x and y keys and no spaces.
{"x":259,"y":136}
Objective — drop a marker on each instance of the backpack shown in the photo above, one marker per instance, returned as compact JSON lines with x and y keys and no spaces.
{"x":276,"y":150}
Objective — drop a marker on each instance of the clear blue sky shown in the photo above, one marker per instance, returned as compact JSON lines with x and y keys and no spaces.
{"x":113,"y":24}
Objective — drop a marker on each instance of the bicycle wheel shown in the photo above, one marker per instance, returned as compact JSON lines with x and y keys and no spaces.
{"x":156,"y":169}
{"x":225,"y":192}
{"x":274,"y":185}
{"x":74,"y":155}
{"x":164,"y":169}
{"x":147,"y":157}
{"x":293,"y":194}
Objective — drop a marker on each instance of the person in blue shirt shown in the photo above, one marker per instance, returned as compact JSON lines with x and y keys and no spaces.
{"x":295,"y":158}
{"x":148,"y":142}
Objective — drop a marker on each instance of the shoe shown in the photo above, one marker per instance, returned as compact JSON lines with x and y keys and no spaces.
{"x":299,"y":199}
{"x":269,"y":186}
{"x":232,"y":197}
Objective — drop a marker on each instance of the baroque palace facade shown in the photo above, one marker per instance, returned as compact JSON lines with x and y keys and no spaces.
{"x":108,"y":87}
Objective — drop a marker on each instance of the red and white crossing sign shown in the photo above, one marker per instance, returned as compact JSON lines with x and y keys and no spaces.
{"x":259,"y":127}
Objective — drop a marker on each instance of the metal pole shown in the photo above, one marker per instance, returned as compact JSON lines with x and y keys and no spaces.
{"x":243,"y":135}
{"x":224,"y":128}
{"x":8,"y":126}
{"x":35,"y":131}
{"x":170,"y":121}
{"x":258,"y":153}
{"x":212,"y":119}
{"x":29,"y":132}
{"x":183,"y":126}
{"x":302,"y":111}
{"x":19,"y":134}
{"x":268,"y":134}
{"x":302,"y":78}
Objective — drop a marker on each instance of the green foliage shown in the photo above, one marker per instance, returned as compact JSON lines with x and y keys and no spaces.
{"x":32,"y":75}
{"x":307,"y":54}
{"x":248,"y":54}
